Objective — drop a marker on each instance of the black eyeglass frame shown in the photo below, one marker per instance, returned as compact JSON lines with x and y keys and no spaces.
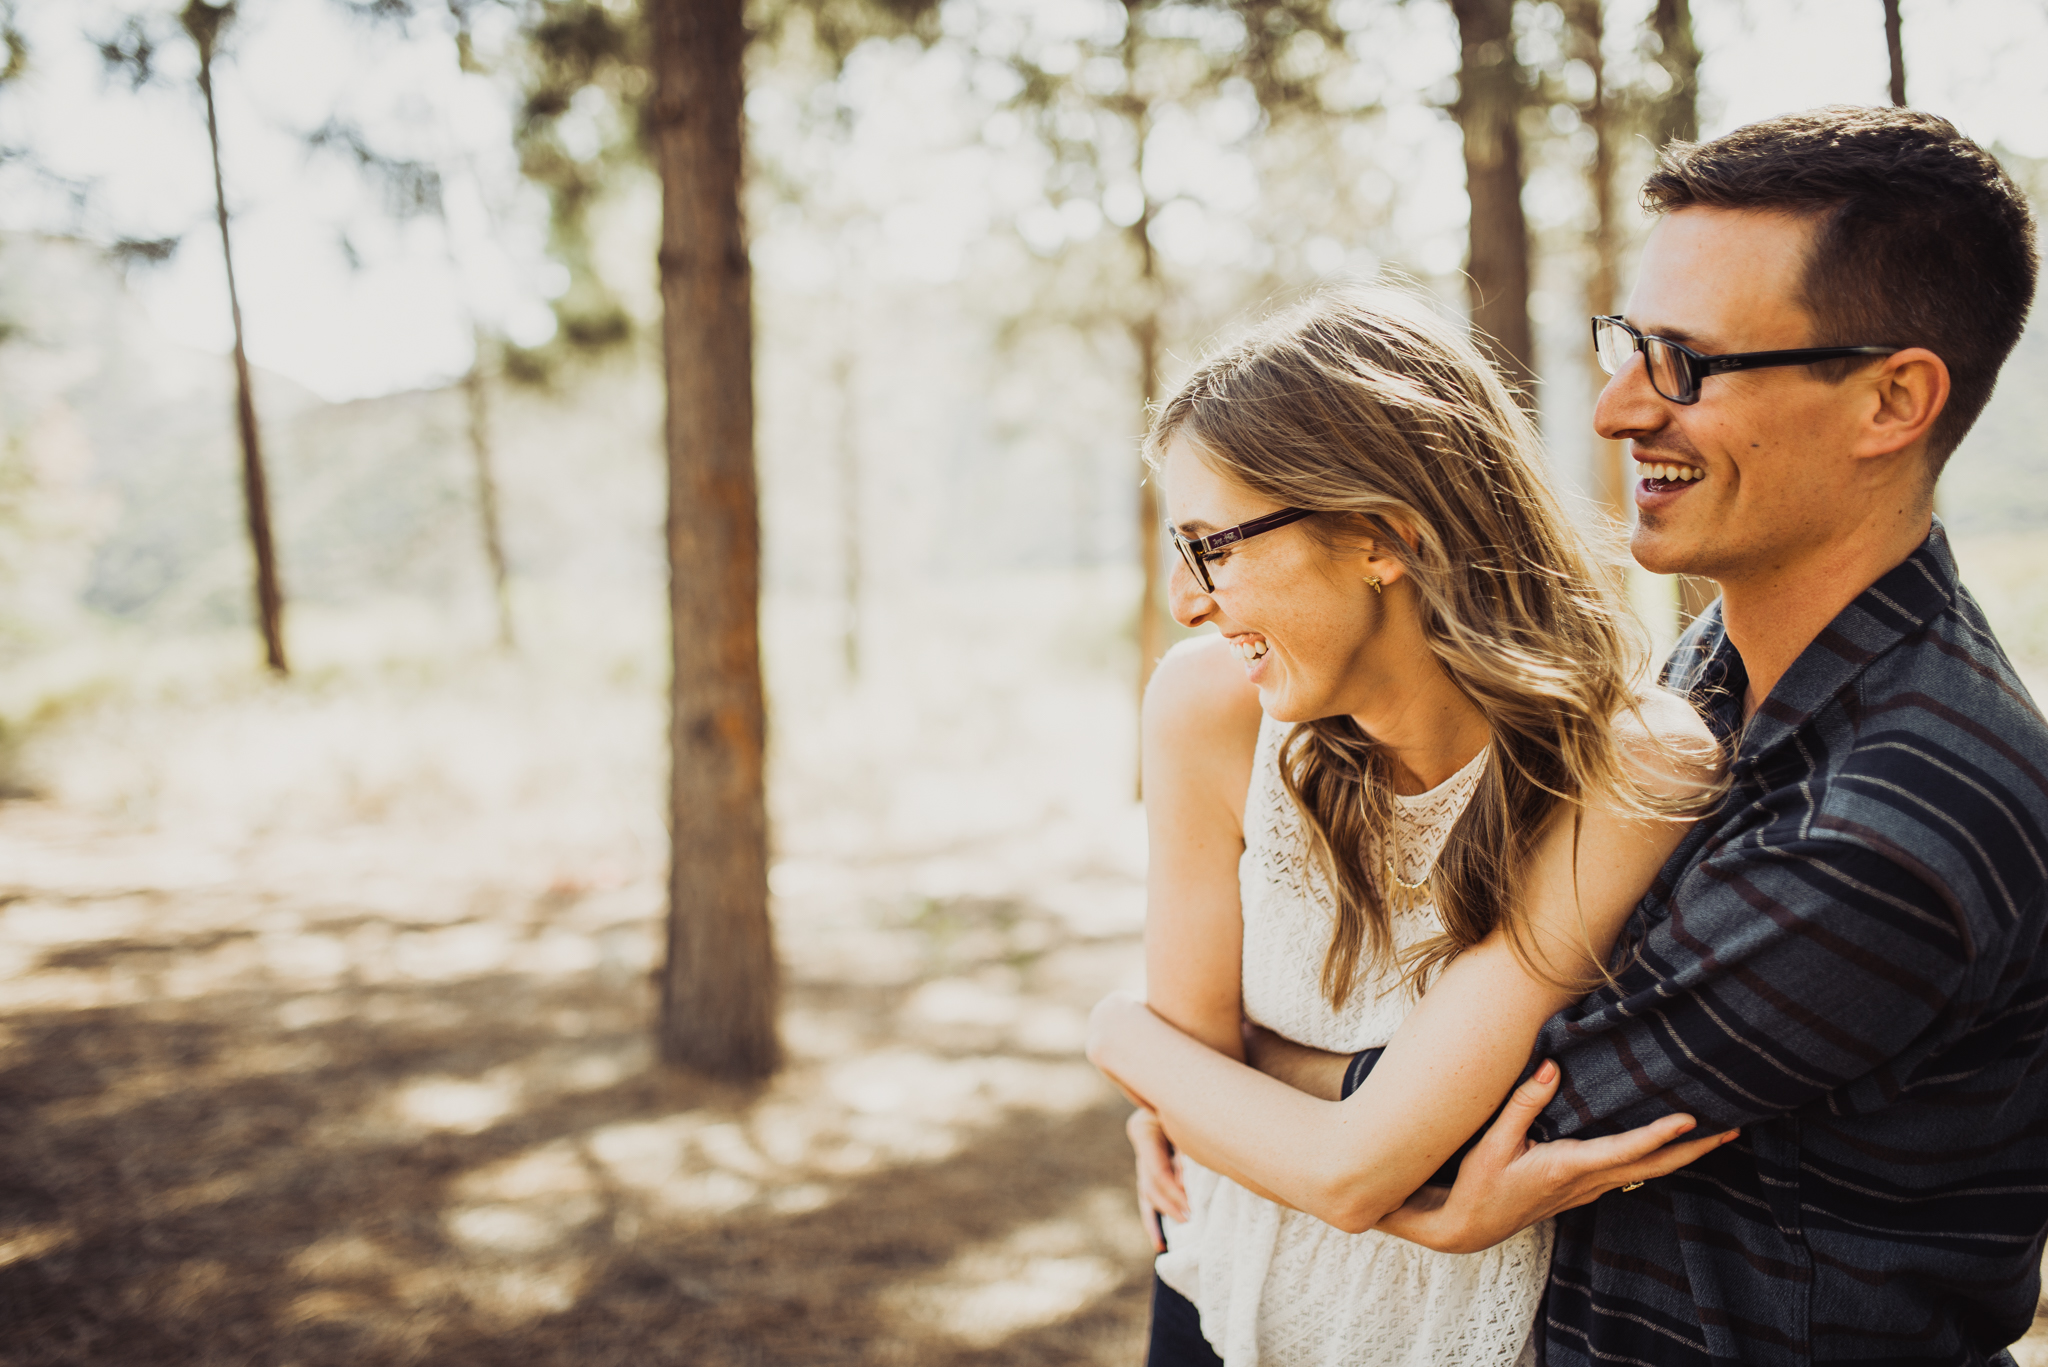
{"x":1696,"y":367}
{"x":1195,"y":551}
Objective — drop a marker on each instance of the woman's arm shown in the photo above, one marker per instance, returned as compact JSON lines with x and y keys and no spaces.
{"x":1200,"y":728}
{"x":1351,"y":1162}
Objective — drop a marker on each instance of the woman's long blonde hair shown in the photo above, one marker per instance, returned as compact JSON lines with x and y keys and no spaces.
{"x":1379,"y":416}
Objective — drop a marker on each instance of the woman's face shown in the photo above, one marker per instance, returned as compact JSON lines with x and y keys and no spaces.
{"x":1301,"y":618}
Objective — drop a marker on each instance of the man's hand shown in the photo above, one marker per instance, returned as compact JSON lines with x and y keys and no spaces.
{"x":1315,"y":1071}
{"x":1509,"y":1182}
{"x":1159,"y":1185}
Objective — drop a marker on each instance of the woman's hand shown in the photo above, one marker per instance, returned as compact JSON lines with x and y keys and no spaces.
{"x":1509,"y":1181}
{"x":1160,"y":1189}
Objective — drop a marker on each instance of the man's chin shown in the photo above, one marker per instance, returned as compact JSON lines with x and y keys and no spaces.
{"x":1659,"y":552}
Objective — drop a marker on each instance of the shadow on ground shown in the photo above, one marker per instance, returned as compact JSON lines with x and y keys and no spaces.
{"x":219,"y":1165}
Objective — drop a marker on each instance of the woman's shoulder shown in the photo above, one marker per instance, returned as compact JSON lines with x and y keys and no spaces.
{"x":1667,"y":744}
{"x":1200,"y":696}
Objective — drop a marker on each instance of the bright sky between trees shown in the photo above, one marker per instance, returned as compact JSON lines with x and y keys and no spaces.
{"x":342,"y":299}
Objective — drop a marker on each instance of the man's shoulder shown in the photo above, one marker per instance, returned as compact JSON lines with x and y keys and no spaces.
{"x":1937,"y":758}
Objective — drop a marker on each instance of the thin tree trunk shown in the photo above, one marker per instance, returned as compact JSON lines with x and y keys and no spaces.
{"x":1677,"y":119}
{"x":1677,"y":112}
{"x":1145,"y":344}
{"x":719,"y":986}
{"x":1603,"y":283}
{"x":474,"y":389}
{"x":849,"y":516}
{"x":255,"y":489}
{"x":1896,"y":49}
{"x":1488,"y":110}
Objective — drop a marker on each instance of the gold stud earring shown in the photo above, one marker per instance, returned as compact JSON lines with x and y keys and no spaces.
{"x":1373,"y":580}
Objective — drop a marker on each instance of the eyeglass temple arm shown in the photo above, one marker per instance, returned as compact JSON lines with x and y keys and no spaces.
{"x":1755,"y":360}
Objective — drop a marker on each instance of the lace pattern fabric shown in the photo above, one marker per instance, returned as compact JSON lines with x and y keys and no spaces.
{"x":1275,"y":1287}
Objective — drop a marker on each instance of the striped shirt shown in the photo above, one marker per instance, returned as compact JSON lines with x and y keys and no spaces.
{"x":1844,"y":959}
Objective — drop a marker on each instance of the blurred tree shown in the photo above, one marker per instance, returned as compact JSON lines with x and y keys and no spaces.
{"x":132,"y":51}
{"x":1895,"y":49}
{"x":1586,"y":25}
{"x":1096,"y":108}
{"x":414,"y":189}
{"x":718,"y":991}
{"x":1492,"y":92}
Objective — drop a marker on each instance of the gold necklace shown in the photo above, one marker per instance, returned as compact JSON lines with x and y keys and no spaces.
{"x":1403,"y":895}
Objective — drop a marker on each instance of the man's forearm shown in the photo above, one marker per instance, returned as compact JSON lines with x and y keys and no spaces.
{"x":1318,"y":1072}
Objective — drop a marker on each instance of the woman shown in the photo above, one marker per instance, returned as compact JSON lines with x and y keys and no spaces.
{"x":1416,"y":756}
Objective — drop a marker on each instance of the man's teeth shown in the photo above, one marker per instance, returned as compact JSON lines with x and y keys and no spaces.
{"x":1249,"y":650}
{"x":1675,"y":473}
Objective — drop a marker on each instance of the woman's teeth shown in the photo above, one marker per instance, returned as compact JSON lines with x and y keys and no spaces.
{"x":1249,"y":650}
{"x":1677,"y":474}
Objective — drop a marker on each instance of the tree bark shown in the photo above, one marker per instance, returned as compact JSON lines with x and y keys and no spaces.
{"x":719,"y":986}
{"x":1677,"y":113}
{"x":1145,"y":344}
{"x":1587,"y":20}
{"x":473,"y":386}
{"x":849,"y":515}
{"x":1677,"y":119}
{"x":1895,"y":47}
{"x":1488,"y":109}
{"x":203,"y":22}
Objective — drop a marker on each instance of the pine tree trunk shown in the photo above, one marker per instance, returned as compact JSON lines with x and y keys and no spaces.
{"x":719,"y":985}
{"x":1677,"y":119}
{"x":1488,"y":110}
{"x":473,"y":386}
{"x":255,"y":488}
{"x":849,"y":516}
{"x":1145,"y":343}
{"x":1603,"y":283}
{"x":1895,"y":47}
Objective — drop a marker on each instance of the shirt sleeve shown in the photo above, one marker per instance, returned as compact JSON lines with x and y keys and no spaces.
{"x":1782,"y":973}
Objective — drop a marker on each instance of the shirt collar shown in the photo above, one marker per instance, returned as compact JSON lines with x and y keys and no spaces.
{"x":1902,"y":601}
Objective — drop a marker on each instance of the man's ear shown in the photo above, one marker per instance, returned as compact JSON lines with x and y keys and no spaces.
{"x":1906,"y":391}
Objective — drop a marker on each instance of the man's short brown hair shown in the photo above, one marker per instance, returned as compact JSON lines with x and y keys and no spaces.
{"x":1920,"y":238}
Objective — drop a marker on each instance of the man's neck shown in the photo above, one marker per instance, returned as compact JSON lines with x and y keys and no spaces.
{"x":1774,"y":614}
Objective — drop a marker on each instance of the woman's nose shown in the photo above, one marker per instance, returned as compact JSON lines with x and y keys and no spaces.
{"x":1185,"y":597}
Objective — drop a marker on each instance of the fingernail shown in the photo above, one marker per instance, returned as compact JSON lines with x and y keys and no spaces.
{"x":1731,"y":1136}
{"x":1546,"y":1070}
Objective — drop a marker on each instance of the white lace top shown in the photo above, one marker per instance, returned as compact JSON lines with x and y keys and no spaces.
{"x":1277,"y":1288}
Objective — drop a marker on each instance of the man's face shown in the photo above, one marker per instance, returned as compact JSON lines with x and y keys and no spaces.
{"x":1769,"y":446}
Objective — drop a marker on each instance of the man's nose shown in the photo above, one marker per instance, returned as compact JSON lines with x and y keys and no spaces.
{"x":1191,"y":607}
{"x":1628,"y":406}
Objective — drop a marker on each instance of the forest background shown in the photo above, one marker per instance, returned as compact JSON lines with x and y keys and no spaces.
{"x":332,"y":990}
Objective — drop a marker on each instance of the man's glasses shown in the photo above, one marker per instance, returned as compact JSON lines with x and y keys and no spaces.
{"x":1676,"y":371}
{"x":1195,"y":551}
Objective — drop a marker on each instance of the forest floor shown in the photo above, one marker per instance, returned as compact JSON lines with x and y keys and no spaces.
{"x":325,"y":1030}
{"x":325,"y":1023}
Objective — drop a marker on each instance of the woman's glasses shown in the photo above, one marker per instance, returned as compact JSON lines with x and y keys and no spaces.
{"x":1195,"y":551}
{"x":1676,"y":371}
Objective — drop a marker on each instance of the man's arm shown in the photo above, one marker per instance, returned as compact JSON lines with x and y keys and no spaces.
{"x":1318,"y":1072}
{"x":1783,"y":973}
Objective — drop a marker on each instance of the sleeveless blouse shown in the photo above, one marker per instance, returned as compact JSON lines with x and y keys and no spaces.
{"x":1275,"y":1287}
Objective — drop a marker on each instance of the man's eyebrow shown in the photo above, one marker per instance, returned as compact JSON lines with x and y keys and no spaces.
{"x":1678,"y":335}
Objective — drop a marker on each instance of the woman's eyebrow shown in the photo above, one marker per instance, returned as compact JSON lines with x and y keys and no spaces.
{"x":1194,"y":527}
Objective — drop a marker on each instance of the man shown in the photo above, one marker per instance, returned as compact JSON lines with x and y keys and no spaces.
{"x":1845,"y":959}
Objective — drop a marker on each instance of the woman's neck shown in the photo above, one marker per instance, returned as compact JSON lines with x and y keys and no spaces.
{"x":1426,"y":725}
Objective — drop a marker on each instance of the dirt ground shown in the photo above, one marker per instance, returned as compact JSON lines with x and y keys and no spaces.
{"x":324,"y":1031}
{"x":324,"y":1022}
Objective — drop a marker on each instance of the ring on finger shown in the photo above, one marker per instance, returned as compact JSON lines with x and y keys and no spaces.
{"x":1631,"y":1186}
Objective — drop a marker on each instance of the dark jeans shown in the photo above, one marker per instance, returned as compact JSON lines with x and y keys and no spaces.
{"x":1177,"y":1332}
